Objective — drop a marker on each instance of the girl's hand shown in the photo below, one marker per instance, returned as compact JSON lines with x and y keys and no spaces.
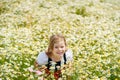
{"x":36,"y":64}
{"x":35,"y":71}
{"x":38,"y":72}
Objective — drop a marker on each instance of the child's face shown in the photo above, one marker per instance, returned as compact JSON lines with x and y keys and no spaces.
{"x":59,"y":48}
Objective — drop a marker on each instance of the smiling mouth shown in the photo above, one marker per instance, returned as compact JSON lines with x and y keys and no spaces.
{"x":59,"y":53}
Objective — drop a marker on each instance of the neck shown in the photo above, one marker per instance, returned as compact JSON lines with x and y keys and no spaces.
{"x":56,"y":58}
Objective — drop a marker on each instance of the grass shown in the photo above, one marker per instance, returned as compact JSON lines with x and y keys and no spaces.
{"x":90,"y":27}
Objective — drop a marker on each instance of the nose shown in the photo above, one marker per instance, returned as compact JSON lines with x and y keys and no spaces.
{"x":59,"y":48}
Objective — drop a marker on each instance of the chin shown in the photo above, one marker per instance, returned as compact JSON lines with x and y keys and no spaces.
{"x":61,"y":54}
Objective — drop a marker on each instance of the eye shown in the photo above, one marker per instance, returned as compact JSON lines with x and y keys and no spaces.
{"x":56,"y":47}
{"x":62,"y":46}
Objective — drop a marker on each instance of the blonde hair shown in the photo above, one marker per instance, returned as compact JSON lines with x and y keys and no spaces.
{"x":54,"y":39}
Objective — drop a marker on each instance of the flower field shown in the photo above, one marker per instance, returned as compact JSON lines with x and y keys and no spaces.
{"x":91,"y":28}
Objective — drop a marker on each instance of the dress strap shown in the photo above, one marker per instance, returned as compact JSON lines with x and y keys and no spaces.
{"x":49,"y":63}
{"x":65,"y":58}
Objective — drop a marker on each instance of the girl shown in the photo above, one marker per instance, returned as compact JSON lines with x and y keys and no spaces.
{"x":57,"y":52}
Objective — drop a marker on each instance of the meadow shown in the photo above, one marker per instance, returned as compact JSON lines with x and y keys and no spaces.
{"x":91,"y":28}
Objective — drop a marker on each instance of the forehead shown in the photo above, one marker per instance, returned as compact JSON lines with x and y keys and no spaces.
{"x":59,"y":43}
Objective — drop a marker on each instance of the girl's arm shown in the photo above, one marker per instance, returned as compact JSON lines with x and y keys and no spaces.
{"x":41,"y":61}
{"x":36,"y":64}
{"x":40,"y":67}
{"x":69,"y":56}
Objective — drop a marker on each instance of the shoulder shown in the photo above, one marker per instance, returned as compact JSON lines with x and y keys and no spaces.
{"x":42,"y":54}
{"x":69,"y":54}
{"x":42,"y":58}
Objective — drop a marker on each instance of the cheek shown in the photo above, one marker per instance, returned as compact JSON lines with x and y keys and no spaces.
{"x":54,"y":49}
{"x":65,"y":48}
